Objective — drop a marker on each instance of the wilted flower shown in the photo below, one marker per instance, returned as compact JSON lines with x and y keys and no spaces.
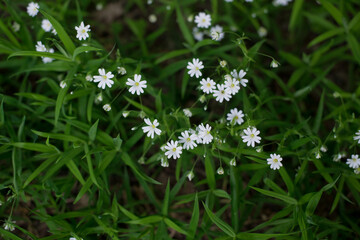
{"x":220,"y":171}
{"x":107,"y":107}
{"x":63,"y":84}
{"x":190,"y":175}
{"x":187,"y":112}
{"x":121,"y":70}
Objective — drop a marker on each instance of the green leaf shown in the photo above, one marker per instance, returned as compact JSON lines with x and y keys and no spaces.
{"x":210,"y":173}
{"x":194,"y":219}
{"x":296,"y":10}
{"x":41,"y":54}
{"x":182,"y":24}
{"x":220,"y":223}
{"x":37,"y":147}
{"x":326,"y":35}
{"x":281,"y":197}
{"x":146,"y":220}
{"x":319,"y":113}
{"x":165,"y":207}
{"x":64,"y":37}
{"x":171,"y":55}
{"x":38,"y":170}
{"x":334,"y":12}
{"x":354,"y":46}
{"x":174,"y":226}
{"x":93,"y":130}
{"x":9,"y":235}
{"x":83,"y":49}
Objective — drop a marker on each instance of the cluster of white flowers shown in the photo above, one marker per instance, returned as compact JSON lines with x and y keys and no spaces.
{"x":203,"y":21}
{"x":40,"y":47}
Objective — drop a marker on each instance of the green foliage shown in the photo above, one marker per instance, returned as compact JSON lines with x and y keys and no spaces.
{"x":70,"y":168}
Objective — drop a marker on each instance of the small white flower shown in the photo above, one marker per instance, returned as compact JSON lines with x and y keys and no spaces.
{"x":354,"y":161}
{"x":281,"y":2}
{"x":198,"y":35}
{"x":274,"y":64}
{"x":188,"y":140}
{"x":164,"y":162}
{"x":107,"y":107}
{"x":136,"y":85}
{"x":251,"y":136}
{"x":240,"y":77}
{"x":9,"y":225}
{"x":233,"y":162}
{"x":121,"y":70}
{"x":235,"y":116}
{"x":82,"y":31}
{"x":63,"y":84}
{"x":323,"y":148}
{"x":46,"y":25}
{"x":99,"y":98}
{"x":151,"y":128}
{"x":104,"y":79}
{"x":357,"y":170}
{"x":173,"y":150}
{"x":207,"y":85}
{"x":317,"y":155}
{"x":232,"y":85}
{"x":202,"y":99}
{"x":262,"y":32}
{"x":204,"y":133}
{"x":16,"y":26}
{"x":217,"y":33}
{"x":337,"y":157}
{"x":274,"y":161}
{"x":125,"y":114}
{"x":190,"y":175}
{"x":89,"y":78}
{"x":357,"y":136}
{"x":194,"y":67}
{"x":53,"y":31}
{"x":222,"y":93}
{"x":40,"y":47}
{"x":220,"y":171}
{"x":203,"y":20}
{"x":33,"y":9}
{"x":152,"y":18}
{"x":223,"y":63}
{"x":48,"y":59}
{"x":187,"y":112}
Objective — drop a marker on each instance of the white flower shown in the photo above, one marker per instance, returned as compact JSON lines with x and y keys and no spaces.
{"x":107,"y":107}
{"x":207,"y":85}
{"x":89,"y":78}
{"x":104,"y":79}
{"x":136,"y":85}
{"x":251,"y":136}
{"x":190,"y":175}
{"x":152,"y":18}
{"x":235,"y":116}
{"x":223,"y":63}
{"x":187,"y":112}
{"x":281,"y":2}
{"x":125,"y":114}
{"x":337,"y":157}
{"x":222,"y":93}
{"x":72,"y":238}
{"x":198,"y":35}
{"x":357,"y":136}
{"x":188,"y":140}
{"x":217,"y":33}
{"x":46,"y":25}
{"x":354,"y":161}
{"x":53,"y":31}
{"x":229,"y":0}
{"x":233,"y":162}
{"x":16,"y":26}
{"x":48,"y":59}
{"x":40,"y":47}
{"x":9,"y":225}
{"x":121,"y":70}
{"x":262,"y":32}
{"x":232,"y":85}
{"x":203,"y":20}
{"x":173,"y":150}
{"x":194,"y":68}
{"x":204,"y":133}
{"x":63,"y":84}
{"x":164,"y":162}
{"x":151,"y":129}
{"x":220,"y":171}
{"x":99,"y":98}
{"x":274,"y":64}
{"x":357,"y":170}
{"x":274,"y":161}
{"x":323,"y":148}
{"x":239,"y":76}
{"x":33,"y":9}
{"x":317,"y":155}
{"x":82,"y":31}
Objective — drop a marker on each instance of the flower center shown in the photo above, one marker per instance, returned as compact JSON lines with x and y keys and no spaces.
{"x":188,"y":139}
{"x":197,"y":68}
{"x":105,"y":77}
{"x":153,"y":126}
{"x":236,"y":117}
{"x":174,"y":149}
{"x":83,"y":31}
{"x":208,"y":85}
{"x":207,"y":132}
{"x":275,"y":160}
{"x":222,"y":92}
{"x":354,"y":159}
{"x":203,"y":20}
{"x":136,"y":84}
{"x":232,"y":85}
{"x":252,"y":135}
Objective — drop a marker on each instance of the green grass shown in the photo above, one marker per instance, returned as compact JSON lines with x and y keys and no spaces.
{"x":71,"y":169}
